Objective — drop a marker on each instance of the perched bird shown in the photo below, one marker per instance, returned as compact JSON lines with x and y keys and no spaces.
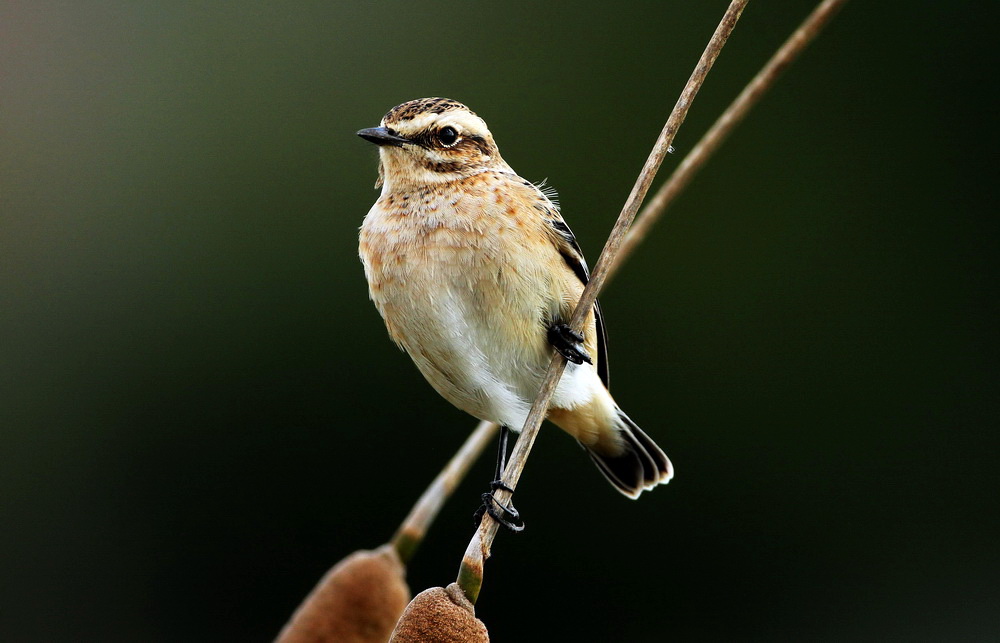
{"x":476,"y":274}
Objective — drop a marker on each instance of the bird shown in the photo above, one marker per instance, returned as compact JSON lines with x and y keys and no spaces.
{"x":476,"y":275}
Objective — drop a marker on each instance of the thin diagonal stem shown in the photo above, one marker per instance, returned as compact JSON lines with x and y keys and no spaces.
{"x":724,"y":125}
{"x":471,"y":571}
{"x":412,"y":531}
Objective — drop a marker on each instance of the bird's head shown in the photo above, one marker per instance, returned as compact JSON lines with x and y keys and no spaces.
{"x":431,"y":140}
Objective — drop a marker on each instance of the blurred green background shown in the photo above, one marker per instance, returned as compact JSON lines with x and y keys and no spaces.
{"x":200,"y":410}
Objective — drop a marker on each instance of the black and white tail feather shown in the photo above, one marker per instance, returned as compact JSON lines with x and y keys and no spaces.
{"x":640,"y":466}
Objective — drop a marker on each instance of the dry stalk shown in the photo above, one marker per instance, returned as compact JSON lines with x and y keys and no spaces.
{"x":470,"y":576}
{"x":725,"y":124}
{"x":412,"y":531}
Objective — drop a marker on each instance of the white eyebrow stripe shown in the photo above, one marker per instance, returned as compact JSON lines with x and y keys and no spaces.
{"x":461,"y":120}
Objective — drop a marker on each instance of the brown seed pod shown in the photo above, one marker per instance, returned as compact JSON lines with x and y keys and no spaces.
{"x":440,"y":615}
{"x":358,"y":601}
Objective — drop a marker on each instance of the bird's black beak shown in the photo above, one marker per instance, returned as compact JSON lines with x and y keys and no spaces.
{"x":382,"y":136}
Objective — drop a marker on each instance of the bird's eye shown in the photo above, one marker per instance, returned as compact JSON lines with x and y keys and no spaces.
{"x":448,"y":136}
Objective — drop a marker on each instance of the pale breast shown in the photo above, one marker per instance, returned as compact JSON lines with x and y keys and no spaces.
{"x":465,"y":282}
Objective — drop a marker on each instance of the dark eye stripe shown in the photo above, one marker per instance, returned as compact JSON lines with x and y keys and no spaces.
{"x":428,"y":139}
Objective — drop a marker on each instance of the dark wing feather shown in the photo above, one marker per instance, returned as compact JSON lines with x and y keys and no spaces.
{"x":602,"y":346}
{"x":572,"y":254}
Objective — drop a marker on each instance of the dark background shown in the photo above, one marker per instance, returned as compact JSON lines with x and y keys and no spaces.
{"x":201,"y":411}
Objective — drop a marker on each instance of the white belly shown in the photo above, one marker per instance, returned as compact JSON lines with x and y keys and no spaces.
{"x":471,"y":361}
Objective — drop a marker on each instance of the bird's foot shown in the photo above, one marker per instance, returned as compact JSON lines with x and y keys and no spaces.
{"x":568,"y":343}
{"x":505,"y":514}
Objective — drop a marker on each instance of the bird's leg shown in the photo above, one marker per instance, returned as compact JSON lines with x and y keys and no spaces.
{"x":505,"y":515}
{"x":568,"y":342}
{"x":501,"y":460}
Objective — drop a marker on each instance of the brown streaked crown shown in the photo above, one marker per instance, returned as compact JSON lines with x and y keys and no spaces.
{"x":408,"y":110}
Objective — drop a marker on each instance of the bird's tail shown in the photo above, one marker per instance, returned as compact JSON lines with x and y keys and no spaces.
{"x":638,"y":466}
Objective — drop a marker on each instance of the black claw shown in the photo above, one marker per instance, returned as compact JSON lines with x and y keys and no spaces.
{"x":568,"y":343}
{"x":572,"y":334}
{"x":500,"y":485}
{"x":505,"y":515}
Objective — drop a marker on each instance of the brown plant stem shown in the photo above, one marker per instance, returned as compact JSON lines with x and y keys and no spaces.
{"x":470,"y":576}
{"x":413,"y":529}
{"x":724,"y":125}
